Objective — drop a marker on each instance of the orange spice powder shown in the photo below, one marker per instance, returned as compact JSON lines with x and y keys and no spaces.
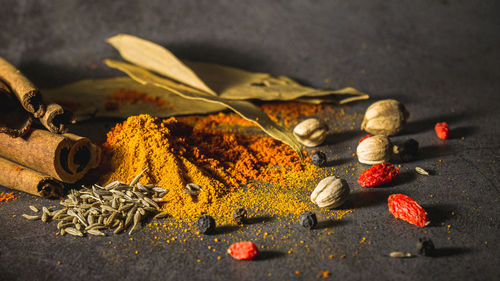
{"x":6,"y":197}
{"x":133,"y":97}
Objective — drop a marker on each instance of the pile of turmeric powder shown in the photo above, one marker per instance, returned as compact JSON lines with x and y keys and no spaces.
{"x":233,"y":169}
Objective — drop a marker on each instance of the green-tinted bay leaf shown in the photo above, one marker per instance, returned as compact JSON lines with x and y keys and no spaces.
{"x":156,"y":58}
{"x":244,"y":108}
{"x":238,"y":84}
{"x":91,"y":98}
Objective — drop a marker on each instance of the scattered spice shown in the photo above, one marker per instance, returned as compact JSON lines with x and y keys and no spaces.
{"x":408,"y":151}
{"x":331,"y":192}
{"x":405,"y":208}
{"x":308,"y":220}
{"x":385,"y":117}
{"x":289,"y":112}
{"x":7,"y":196}
{"x":400,"y":255}
{"x":422,"y":171}
{"x":205,"y":224}
{"x":116,"y":205}
{"x":318,"y":159}
{"x":374,"y":150}
{"x":245,"y":250}
{"x":221,"y":163}
{"x":240,"y":215}
{"x":378,"y":174}
{"x":442,"y":130}
{"x":323,"y":274}
{"x":130,"y":97}
{"x":311,"y":132}
{"x":425,"y":247}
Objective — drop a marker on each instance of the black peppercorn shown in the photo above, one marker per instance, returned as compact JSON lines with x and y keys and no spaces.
{"x":240,"y":215}
{"x":318,"y":159}
{"x":308,"y":220}
{"x":206,"y":224}
{"x":409,"y":150}
{"x":425,"y":247}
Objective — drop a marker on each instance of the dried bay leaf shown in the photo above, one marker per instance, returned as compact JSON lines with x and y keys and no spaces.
{"x":244,"y":108}
{"x":89,"y":98}
{"x":226,"y":82}
{"x":238,"y":84}
{"x":156,"y":58}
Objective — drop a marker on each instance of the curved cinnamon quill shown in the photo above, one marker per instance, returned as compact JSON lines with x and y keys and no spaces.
{"x":56,"y":118}
{"x":66,"y":157}
{"x":14,"y":120}
{"x":26,"y":92}
{"x":24,"y":179}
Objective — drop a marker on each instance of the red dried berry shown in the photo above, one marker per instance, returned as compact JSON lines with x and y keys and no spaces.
{"x":378,"y":174}
{"x":245,"y":250}
{"x":442,"y":130}
{"x":405,"y":208}
{"x":364,"y":138}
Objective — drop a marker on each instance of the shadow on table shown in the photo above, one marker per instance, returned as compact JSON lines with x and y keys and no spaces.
{"x":269,"y":254}
{"x":450,"y":251}
{"x":340,"y":137}
{"x":367,"y":197}
{"x":427,"y":124}
{"x":259,"y":219}
{"x":439,"y":213}
{"x":338,"y":162}
{"x":225,"y":229}
{"x":330,"y":223}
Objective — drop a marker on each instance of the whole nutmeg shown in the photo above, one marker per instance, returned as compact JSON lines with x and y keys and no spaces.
{"x":385,"y":117}
{"x":330,"y":193}
{"x":374,"y":150}
{"x":311,"y":132}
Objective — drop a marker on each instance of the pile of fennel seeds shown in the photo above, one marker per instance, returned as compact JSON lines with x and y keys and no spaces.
{"x":117,"y":206}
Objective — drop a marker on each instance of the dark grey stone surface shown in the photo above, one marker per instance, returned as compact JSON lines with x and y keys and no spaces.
{"x":438,"y":57}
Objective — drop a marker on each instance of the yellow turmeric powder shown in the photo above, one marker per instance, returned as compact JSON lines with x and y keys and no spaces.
{"x":219,"y":162}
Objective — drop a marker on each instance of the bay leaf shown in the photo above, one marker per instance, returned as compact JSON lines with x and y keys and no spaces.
{"x":238,"y":84}
{"x":226,"y":82}
{"x":245,"y":109}
{"x":89,"y":98}
{"x":156,"y":58}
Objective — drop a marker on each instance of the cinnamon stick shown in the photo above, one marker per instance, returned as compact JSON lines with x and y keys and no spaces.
{"x":56,"y":118}
{"x":26,"y":92}
{"x":24,"y":179}
{"x":14,"y":120}
{"x":65,"y":157}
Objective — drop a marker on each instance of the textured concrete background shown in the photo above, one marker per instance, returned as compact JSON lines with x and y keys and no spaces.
{"x":438,"y":57}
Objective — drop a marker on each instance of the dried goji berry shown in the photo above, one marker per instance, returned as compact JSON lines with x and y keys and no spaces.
{"x":364,"y":138}
{"x":378,"y":174}
{"x":245,"y":250}
{"x":405,"y":208}
{"x":442,"y":130}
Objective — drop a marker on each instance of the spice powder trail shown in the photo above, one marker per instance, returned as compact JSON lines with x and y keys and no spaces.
{"x":177,"y":154}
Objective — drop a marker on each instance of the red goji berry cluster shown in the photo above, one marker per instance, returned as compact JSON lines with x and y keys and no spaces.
{"x":364,"y":138}
{"x":442,"y":130}
{"x":405,"y":208}
{"x":378,"y":174}
{"x":245,"y":250}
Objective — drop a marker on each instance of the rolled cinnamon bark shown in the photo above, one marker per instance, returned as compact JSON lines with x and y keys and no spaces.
{"x":26,"y":92}
{"x":56,"y":118}
{"x":14,"y":120}
{"x":63,"y":157}
{"x":24,"y":179}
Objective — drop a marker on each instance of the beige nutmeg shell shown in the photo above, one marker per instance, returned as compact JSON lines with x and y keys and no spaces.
{"x":331,"y":192}
{"x":385,"y":117}
{"x":311,"y":132}
{"x":374,"y":150}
